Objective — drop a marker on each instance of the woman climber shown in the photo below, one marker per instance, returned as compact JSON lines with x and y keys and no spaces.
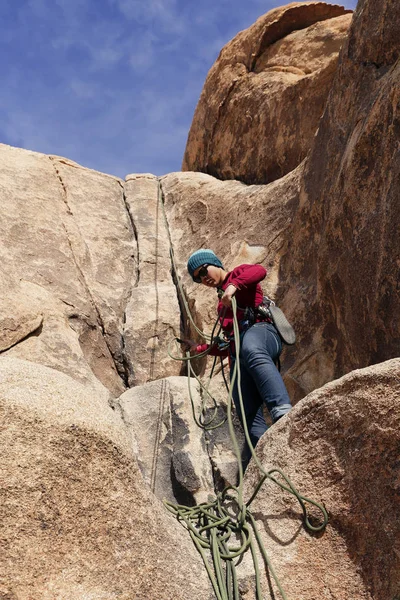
{"x":260,"y":347}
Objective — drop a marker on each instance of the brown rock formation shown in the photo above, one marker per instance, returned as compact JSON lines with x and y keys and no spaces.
{"x":86,"y":289}
{"x":84,"y":263}
{"x":77,"y":518}
{"x":342,"y":266}
{"x":263,"y":97}
{"x":340,"y":446}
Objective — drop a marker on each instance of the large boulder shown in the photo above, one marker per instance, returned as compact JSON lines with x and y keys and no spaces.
{"x":340,"y":447}
{"x":78,"y":521}
{"x":264,"y":96}
{"x":85,"y":286}
{"x":170,"y":448}
{"x":181,"y":461}
{"x":341,"y":269}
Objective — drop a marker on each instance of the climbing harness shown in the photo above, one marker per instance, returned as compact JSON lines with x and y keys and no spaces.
{"x":268,"y":312}
{"x":226,"y":527}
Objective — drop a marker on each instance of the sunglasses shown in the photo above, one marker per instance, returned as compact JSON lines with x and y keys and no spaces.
{"x":203,"y":272}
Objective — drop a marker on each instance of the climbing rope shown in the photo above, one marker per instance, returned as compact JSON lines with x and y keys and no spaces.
{"x":225,"y":527}
{"x":204,"y":420}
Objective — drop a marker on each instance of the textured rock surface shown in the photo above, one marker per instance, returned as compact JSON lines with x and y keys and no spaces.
{"x":342,"y":266}
{"x":263,"y":97}
{"x":340,"y":446}
{"x":86,"y":288}
{"x":18,"y":318}
{"x":72,"y":252}
{"x":86,"y":283}
{"x":152,"y":314}
{"x":171,"y":450}
{"x":242,"y":224}
{"x":77,"y":518}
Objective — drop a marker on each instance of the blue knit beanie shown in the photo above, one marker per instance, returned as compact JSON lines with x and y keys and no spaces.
{"x":202,"y":257}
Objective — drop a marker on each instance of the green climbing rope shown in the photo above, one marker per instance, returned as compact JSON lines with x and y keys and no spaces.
{"x":225,"y":528}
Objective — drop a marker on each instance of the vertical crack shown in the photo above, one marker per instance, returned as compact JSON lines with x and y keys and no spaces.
{"x":134,"y":232}
{"x":127,"y":364}
{"x":185,"y":325}
{"x":155,"y":335}
{"x":99,"y":318}
{"x":174,"y":275}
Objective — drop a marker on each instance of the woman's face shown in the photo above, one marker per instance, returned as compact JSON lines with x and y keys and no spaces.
{"x":210,"y":276}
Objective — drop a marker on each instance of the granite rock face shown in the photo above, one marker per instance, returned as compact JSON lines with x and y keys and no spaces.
{"x":170,"y":448}
{"x":152,"y":314}
{"x":78,"y":521}
{"x":340,"y":446}
{"x":89,"y":301}
{"x":18,"y":318}
{"x":341,"y":270}
{"x":181,"y":461}
{"x":85,"y":271}
{"x":263,"y":98}
{"x":70,"y":256}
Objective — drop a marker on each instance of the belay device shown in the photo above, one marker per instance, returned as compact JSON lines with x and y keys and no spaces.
{"x":269,"y":309}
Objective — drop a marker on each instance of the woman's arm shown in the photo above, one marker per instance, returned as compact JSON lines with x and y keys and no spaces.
{"x":245,"y":275}
{"x":214,"y":350}
{"x":198,"y":348}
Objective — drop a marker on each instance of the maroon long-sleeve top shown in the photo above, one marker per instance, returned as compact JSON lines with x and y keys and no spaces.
{"x":246,"y":279}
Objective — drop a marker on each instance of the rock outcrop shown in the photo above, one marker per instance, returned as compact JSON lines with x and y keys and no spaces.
{"x":264,"y":96}
{"x":78,"y":281}
{"x":70,"y":259}
{"x":89,"y":301}
{"x":170,"y":448}
{"x":78,"y":521}
{"x":340,"y":446}
{"x":341,"y":270}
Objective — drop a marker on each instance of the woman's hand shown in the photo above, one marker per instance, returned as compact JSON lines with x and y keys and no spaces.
{"x":227,"y":297}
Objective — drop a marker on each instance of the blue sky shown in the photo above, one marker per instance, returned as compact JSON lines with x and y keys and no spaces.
{"x":112,"y":84}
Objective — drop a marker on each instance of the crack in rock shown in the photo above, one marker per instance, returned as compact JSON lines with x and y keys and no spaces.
{"x":173,"y":273}
{"x":134,"y":232}
{"x":128,"y":369}
{"x":100,"y":321}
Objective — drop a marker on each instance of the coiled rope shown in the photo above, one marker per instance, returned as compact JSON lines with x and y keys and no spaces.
{"x":226,"y":527}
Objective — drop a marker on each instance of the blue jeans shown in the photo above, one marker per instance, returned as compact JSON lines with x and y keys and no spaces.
{"x":260,"y":379}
